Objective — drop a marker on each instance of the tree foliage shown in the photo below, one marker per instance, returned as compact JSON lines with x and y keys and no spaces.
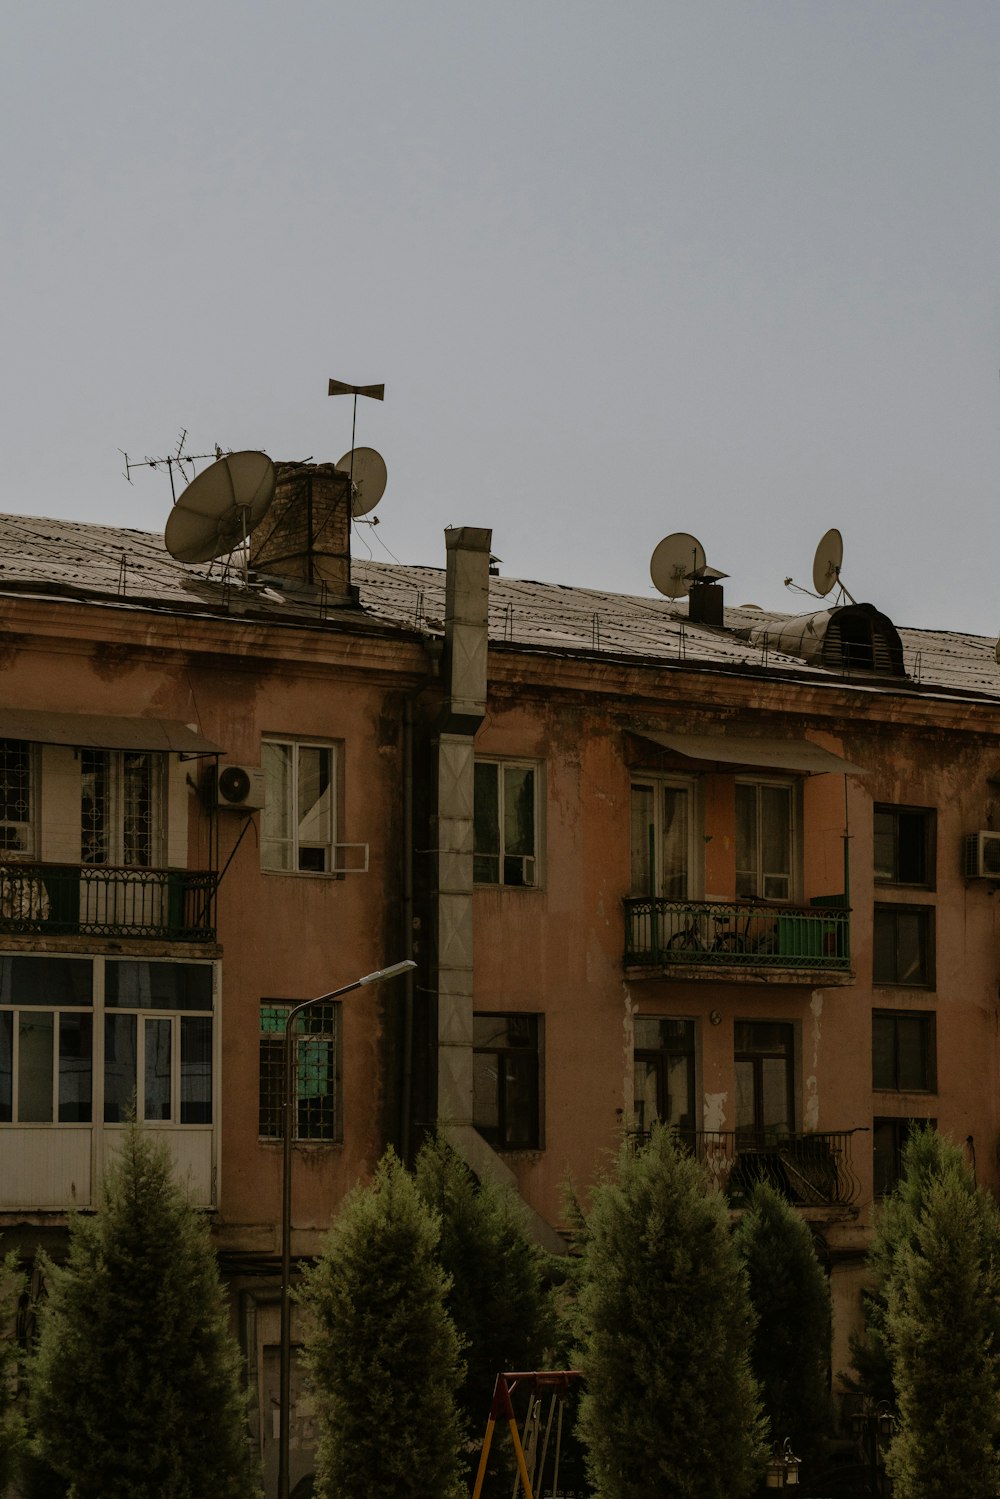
{"x":135,"y":1386}
{"x":790,"y":1296}
{"x":942,"y":1330}
{"x":11,"y":1424}
{"x":671,"y":1406}
{"x":382,"y":1350}
{"x":497,"y":1298}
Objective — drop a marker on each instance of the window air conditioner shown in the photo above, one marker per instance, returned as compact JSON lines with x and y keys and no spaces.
{"x":982,"y":856}
{"x":239,"y":788}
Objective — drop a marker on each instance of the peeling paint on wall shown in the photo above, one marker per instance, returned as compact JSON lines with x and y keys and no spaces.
{"x":714,"y":1109}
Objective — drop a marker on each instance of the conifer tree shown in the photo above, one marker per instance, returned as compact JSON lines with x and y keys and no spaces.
{"x":926,"y":1156}
{"x":135,"y":1386}
{"x":942,"y":1327}
{"x":790,"y":1296}
{"x":11,"y":1425}
{"x":382,"y":1350}
{"x":497,"y":1300}
{"x":672,"y":1406}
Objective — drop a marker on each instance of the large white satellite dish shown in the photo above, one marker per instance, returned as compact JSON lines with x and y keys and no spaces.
{"x":673,"y":561}
{"x":220,"y":507}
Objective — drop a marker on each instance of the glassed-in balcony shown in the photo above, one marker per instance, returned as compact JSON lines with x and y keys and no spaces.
{"x":91,"y":900}
{"x":735,"y":936}
{"x":809,"y":1168}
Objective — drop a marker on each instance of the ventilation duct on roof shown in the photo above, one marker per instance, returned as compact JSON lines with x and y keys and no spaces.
{"x":855,"y":638}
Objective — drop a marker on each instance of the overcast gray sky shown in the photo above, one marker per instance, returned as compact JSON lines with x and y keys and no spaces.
{"x":722,"y":266}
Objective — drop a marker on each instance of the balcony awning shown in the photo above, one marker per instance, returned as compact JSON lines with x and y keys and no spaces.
{"x":798,"y":755}
{"x":97,"y":731}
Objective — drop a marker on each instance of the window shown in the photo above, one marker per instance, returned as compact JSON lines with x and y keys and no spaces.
{"x":664,"y":1072}
{"x":765,"y":831}
{"x":298,"y":824}
{"x":504,"y":823}
{"x":763,"y":1057}
{"x":317,"y":1071}
{"x":903,"y":947}
{"x":17,"y":833}
{"x":121,"y":794}
{"x":889,"y":1136}
{"x":662,"y":829}
{"x":152,"y":1055}
{"x":903,"y":1047}
{"x":505,"y":1068}
{"x":904,"y":846}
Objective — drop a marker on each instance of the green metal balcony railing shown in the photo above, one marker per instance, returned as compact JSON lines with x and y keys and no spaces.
{"x":736,"y":934}
{"x":809,"y":1169}
{"x":96,"y":900}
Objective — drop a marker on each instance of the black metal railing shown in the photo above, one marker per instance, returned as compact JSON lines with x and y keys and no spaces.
{"x":96,"y":900}
{"x":740,"y":934}
{"x":810,"y":1168}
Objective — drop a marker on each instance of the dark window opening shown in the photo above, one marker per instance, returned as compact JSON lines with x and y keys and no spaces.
{"x":505,"y":1071}
{"x":664,"y":1073}
{"x":904,"y":846}
{"x":903,"y":947}
{"x":903,"y":1052}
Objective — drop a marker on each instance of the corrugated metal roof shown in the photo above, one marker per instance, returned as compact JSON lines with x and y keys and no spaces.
{"x":132,"y":569}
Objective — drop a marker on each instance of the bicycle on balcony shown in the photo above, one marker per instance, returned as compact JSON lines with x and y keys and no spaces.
{"x":727,"y":938}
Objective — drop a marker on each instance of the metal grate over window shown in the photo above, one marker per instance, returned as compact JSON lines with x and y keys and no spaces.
{"x":16,"y":832}
{"x":317,"y":1072}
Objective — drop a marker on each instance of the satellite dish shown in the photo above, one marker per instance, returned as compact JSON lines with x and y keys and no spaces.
{"x":220,"y":507}
{"x":673,"y":561}
{"x":368,"y":478}
{"x":827,"y":562}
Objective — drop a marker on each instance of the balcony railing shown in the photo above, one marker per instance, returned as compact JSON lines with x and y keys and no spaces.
{"x":736,"y":934}
{"x":58,"y":900}
{"x":809,"y":1169}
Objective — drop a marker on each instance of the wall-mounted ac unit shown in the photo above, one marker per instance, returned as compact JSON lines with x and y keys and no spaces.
{"x":239,"y":788}
{"x":982,"y":856}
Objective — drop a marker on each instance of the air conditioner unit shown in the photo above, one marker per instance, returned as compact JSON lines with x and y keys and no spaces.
{"x":982,"y":856}
{"x":239,"y":788}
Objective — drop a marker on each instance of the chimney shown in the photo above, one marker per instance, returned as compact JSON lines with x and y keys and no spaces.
{"x":467,"y":599}
{"x":705,"y":599}
{"x":306,"y":533}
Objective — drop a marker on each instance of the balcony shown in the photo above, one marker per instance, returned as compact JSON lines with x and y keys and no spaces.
{"x":808,"y":1169}
{"x":729,"y":939}
{"x":81,"y":900}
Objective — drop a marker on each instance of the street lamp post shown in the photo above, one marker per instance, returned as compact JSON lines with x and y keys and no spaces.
{"x":285,"y":1335}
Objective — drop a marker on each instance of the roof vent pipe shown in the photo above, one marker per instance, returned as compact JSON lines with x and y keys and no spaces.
{"x":705,"y":600}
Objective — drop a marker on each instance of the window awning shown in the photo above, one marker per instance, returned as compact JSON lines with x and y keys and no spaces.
{"x":97,"y":731}
{"x":772,"y":754}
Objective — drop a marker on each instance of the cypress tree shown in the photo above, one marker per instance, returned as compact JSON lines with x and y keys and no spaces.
{"x":382,"y":1350}
{"x":497,"y":1299}
{"x":790,"y":1296}
{"x":135,"y":1385}
{"x":942,"y":1327}
{"x":672,"y":1406}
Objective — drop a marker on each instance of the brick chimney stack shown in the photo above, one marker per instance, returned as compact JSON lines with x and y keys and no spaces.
{"x":306,"y":533}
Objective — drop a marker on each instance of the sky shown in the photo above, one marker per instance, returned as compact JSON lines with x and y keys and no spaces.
{"x":729,"y":267}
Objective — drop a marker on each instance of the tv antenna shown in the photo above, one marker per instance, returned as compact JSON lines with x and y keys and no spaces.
{"x":175,"y":460}
{"x":220,"y":508}
{"x":369,"y":464}
{"x":827,"y":563}
{"x":677,"y":561}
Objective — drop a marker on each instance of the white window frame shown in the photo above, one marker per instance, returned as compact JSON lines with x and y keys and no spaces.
{"x":793,"y":789}
{"x":116,"y":809}
{"x":695,"y":840}
{"x":296,"y":845}
{"x":531,"y":864}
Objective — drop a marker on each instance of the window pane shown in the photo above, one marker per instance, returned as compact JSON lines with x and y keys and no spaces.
{"x":95,"y":774}
{"x":674,"y":852}
{"x":912,"y":846}
{"x":156,"y":1071}
{"x":913,"y":1036}
{"x":119,"y":1068}
{"x":137,"y":808}
{"x":678,"y":1109}
{"x":486,"y":1095}
{"x":315,"y":807}
{"x":76,"y":1044}
{"x":276,"y":818}
{"x":746,"y":1118}
{"x":158,"y":986}
{"x":885,"y":846}
{"x":196,"y":1069}
{"x":774,"y":1094}
{"x":776,"y":841}
{"x":6,"y":1066}
{"x":272,"y":1086}
{"x":315,"y":1089}
{"x":486,"y":824}
{"x":34,"y":1069}
{"x":883,"y":1051}
{"x":646,"y":1092}
{"x":55,"y":982}
{"x":655,"y":1032}
{"x":643,"y":833}
{"x":15,"y":797}
{"x":746,"y":840}
{"x":520,"y":1125}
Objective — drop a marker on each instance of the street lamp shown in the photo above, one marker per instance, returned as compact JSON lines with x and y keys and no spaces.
{"x":782,"y":1471}
{"x":285,"y":1335}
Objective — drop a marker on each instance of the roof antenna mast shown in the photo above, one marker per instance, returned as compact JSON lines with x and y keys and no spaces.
{"x":175,"y":460}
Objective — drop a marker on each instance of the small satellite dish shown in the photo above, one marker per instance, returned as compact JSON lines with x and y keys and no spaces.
{"x":220,"y":507}
{"x":673,"y":561}
{"x":827,"y":562}
{"x":368,"y":478}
